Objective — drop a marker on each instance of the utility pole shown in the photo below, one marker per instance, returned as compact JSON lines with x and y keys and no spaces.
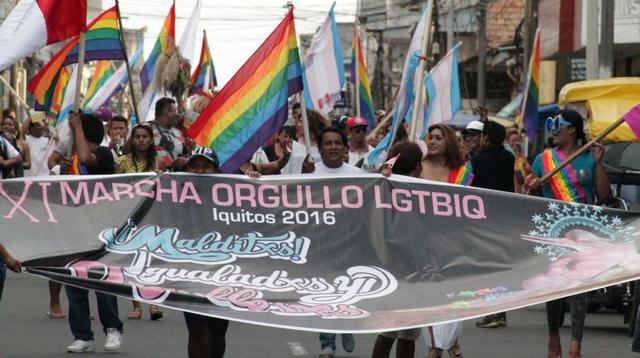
{"x":482,"y":53}
{"x":450,"y":26}
{"x":606,"y":39}
{"x":592,"y":39}
{"x":530,"y":29}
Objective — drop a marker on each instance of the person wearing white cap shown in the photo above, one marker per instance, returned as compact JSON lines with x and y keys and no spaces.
{"x":357,"y":131}
{"x":471,"y":138}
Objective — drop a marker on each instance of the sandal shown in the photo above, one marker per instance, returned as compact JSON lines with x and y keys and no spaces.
{"x":155,"y":313}
{"x":434,"y":353}
{"x":555,"y":349}
{"x":135,"y":314}
{"x":56,"y":315}
{"x":455,"y":351}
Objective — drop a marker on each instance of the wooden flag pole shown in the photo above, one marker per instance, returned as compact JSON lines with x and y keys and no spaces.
{"x":76,"y":101}
{"x":583,"y":149}
{"x":426,"y":42}
{"x":303,"y":107}
{"x":78,"y":84}
{"x":389,"y":114}
{"x":126,"y":61}
{"x":15,"y":93}
{"x":212,"y":77}
{"x":356,"y":73}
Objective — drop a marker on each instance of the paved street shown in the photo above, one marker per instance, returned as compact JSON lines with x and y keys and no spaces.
{"x":26,"y":332}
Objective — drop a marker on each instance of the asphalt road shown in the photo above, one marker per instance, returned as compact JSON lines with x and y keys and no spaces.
{"x":25,"y":331}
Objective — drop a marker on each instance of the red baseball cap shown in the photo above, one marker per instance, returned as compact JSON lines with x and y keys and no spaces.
{"x":356,"y":121}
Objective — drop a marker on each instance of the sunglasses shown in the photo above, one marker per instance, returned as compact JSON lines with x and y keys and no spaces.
{"x":554,"y":124}
{"x":361,"y":129}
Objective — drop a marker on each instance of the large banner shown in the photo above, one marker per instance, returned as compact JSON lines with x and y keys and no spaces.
{"x":334,"y":254}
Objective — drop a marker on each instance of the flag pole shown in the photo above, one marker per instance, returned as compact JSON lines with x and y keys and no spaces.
{"x":206,"y":44}
{"x":356,"y":74}
{"x":426,"y":41}
{"x":583,"y":149}
{"x":126,"y":61}
{"x":525,"y":95}
{"x":15,"y":93}
{"x":78,"y":84}
{"x":303,"y":105}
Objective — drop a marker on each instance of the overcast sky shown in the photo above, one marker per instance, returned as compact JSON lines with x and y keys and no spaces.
{"x":235,"y":28}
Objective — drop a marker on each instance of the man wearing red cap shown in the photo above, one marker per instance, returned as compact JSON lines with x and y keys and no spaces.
{"x":358,"y":147}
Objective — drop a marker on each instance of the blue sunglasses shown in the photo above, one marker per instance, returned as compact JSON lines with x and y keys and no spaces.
{"x":554,"y":124}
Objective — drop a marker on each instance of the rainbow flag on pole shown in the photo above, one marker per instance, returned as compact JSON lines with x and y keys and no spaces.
{"x":528,"y":113}
{"x":254,"y":103}
{"x":59,"y":90}
{"x":165,"y":44}
{"x":102,"y":42}
{"x":365,"y":106}
{"x":204,"y":77}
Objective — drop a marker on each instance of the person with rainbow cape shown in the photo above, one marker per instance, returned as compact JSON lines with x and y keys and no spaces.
{"x":584,"y":181}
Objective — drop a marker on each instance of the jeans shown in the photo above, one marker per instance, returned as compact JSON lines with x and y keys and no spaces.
{"x":329,"y":340}
{"x":555,"y":312}
{"x":79,"y":320}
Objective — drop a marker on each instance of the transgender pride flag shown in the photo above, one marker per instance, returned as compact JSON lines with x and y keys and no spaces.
{"x":443,"y":91}
{"x":324,"y":67}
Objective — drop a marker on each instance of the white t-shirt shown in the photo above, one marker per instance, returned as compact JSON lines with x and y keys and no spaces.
{"x":298,"y":153}
{"x":8,"y":147}
{"x":40,"y":149}
{"x":345,"y":168}
{"x":354,"y":156}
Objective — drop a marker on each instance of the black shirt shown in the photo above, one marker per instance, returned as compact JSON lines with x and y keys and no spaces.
{"x":493,"y":169}
{"x":104,"y":164}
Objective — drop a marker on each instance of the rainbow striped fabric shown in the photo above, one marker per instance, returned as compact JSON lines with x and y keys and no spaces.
{"x":165,"y":44}
{"x":204,"y":77}
{"x":565,"y":185}
{"x":461,"y":176}
{"x":77,"y":168}
{"x":58,"y":91}
{"x":528,"y":113}
{"x":366,"y":102}
{"x":100,"y":44}
{"x":254,"y":103}
{"x":102,"y":40}
{"x":520,"y":167}
{"x":103,"y":71}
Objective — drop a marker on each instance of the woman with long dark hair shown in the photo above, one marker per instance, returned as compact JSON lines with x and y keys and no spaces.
{"x":140,"y":153}
{"x":140,"y":157}
{"x":584,"y":181}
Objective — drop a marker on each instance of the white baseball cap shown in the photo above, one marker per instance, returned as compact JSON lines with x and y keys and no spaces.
{"x":475,"y":125}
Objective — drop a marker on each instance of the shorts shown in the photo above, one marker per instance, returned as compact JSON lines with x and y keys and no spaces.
{"x":410,"y":334}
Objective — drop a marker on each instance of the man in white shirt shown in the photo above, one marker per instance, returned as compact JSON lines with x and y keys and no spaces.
{"x":332,"y":144}
{"x":358,"y":146}
{"x":40,"y":148}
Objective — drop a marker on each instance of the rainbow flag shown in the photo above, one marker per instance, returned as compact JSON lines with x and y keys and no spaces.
{"x":366,"y":103}
{"x":59,"y":90}
{"x":165,"y":44}
{"x":461,"y":176}
{"x":102,"y":40}
{"x":204,"y":77}
{"x":565,"y":185}
{"x":528,"y":113}
{"x":254,"y":103}
{"x":104,"y":70}
{"x":99,"y":45}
